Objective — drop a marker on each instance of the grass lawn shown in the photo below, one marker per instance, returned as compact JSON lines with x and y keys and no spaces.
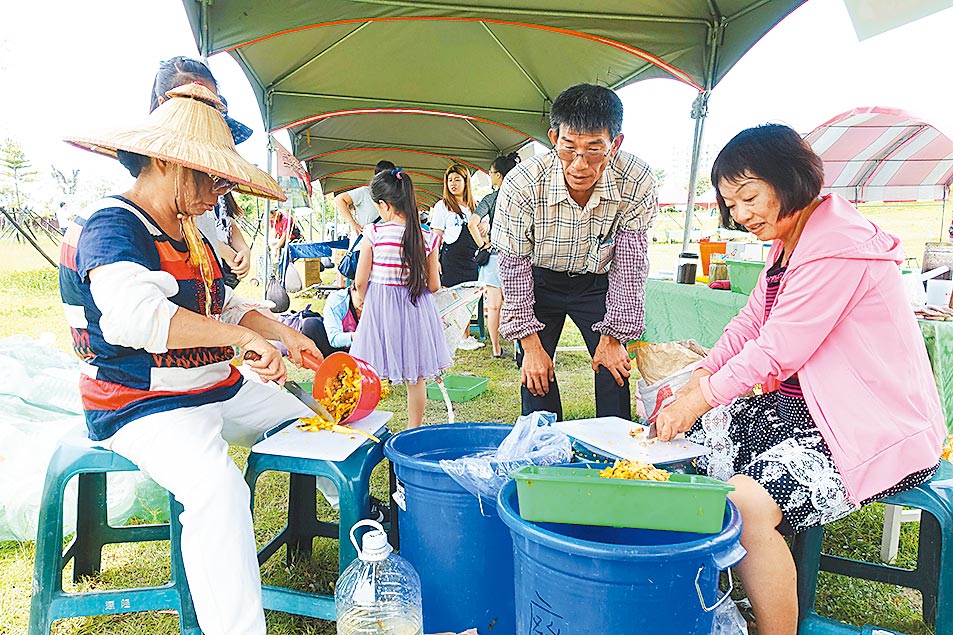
{"x":29,"y":305}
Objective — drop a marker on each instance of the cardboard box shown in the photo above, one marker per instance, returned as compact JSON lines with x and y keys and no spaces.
{"x":312,"y":271}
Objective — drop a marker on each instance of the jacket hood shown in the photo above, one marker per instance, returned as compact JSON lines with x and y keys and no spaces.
{"x":837,"y":230}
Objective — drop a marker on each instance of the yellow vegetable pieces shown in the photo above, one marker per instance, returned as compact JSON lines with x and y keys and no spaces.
{"x":313,"y":424}
{"x":948,"y":448}
{"x":635,"y":470}
{"x":342,"y":393}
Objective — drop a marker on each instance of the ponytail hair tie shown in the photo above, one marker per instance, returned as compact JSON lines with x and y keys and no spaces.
{"x":396,"y":173}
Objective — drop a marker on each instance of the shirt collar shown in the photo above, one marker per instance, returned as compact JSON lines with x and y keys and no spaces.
{"x":605,"y":189}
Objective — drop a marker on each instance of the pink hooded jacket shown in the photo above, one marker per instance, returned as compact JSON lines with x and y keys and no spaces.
{"x":842,"y":322}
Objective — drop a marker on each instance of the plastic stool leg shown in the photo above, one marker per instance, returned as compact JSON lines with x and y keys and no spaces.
{"x":91,"y":518}
{"x":47,"y":566}
{"x":302,"y":512}
{"x":928,"y":565}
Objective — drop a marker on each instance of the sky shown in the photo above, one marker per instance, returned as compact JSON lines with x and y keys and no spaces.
{"x":70,"y":67}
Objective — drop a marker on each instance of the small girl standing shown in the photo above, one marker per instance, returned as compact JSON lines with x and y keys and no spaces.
{"x":400,"y":333}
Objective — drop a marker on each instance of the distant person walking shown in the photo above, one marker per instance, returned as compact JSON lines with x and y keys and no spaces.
{"x":400,"y":333}
{"x":571,"y":229}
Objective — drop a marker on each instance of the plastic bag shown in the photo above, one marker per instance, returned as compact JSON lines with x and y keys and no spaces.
{"x":39,"y":404}
{"x":277,"y":294}
{"x":728,"y":620}
{"x":293,"y":282}
{"x":531,"y":442}
{"x":662,"y":393}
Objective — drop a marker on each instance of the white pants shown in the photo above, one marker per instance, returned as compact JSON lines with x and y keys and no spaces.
{"x":186,"y":452}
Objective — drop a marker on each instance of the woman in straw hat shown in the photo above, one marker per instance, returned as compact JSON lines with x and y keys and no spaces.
{"x":156,"y":329}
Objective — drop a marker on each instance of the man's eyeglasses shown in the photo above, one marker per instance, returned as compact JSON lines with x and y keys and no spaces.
{"x":221,"y":186}
{"x":592,"y":157}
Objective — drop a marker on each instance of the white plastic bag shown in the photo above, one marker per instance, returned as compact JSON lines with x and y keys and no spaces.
{"x":662,"y":393}
{"x":728,"y":620}
{"x":39,"y":404}
{"x":531,"y":442}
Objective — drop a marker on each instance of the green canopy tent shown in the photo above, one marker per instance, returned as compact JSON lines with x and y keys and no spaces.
{"x":354,"y":81}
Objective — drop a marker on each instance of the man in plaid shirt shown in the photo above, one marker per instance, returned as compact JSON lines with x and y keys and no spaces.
{"x":571,"y":231}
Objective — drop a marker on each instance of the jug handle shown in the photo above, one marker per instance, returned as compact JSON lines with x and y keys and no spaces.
{"x":376,"y":525}
{"x":724,"y":563}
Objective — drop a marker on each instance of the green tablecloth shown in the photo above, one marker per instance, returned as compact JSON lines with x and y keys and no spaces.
{"x":688,"y":311}
{"x":693,"y":311}
{"x":938,"y":336}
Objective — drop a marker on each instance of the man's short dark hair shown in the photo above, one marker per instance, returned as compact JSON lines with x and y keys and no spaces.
{"x":587,"y":109}
{"x":778,"y":156}
{"x":383,"y":165}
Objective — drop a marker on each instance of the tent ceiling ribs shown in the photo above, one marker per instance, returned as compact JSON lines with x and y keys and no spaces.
{"x":278,"y":80}
{"x":411,"y":104}
{"x":539,"y":89}
{"x":483,"y":134}
{"x":410,"y":147}
{"x":391,"y":149}
{"x":553,"y":13}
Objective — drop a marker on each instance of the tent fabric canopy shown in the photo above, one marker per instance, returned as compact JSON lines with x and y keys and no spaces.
{"x":883,"y":154}
{"x":465,"y":81}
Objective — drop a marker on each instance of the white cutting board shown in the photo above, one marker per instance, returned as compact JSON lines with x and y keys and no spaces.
{"x":323,"y":445}
{"x":610,"y":435}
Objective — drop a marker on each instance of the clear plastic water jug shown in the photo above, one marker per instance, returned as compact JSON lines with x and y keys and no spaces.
{"x":379,"y":593}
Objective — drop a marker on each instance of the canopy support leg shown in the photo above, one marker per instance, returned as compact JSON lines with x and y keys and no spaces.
{"x":699,"y":113}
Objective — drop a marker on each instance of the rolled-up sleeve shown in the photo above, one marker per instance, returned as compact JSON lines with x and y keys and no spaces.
{"x":625,"y":299}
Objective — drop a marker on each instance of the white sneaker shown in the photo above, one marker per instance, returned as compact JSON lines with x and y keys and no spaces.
{"x":470,"y":344}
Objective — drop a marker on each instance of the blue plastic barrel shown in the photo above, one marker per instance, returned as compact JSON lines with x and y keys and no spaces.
{"x":588,"y":580}
{"x":464,"y":557}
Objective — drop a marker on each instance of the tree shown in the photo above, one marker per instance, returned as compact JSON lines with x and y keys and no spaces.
{"x":67,"y":184}
{"x":16,"y":167}
{"x":660,"y":174}
{"x":702,"y":185}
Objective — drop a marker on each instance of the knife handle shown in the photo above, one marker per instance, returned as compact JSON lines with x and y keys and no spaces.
{"x":309,"y":361}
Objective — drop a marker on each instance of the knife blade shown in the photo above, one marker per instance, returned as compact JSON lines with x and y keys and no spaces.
{"x":305,"y":397}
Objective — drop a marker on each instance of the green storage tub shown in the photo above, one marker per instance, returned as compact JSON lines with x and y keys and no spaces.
{"x":579,"y":496}
{"x":459,"y":387}
{"x":743,"y":275}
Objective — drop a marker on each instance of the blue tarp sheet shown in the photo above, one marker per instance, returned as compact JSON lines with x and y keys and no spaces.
{"x":316,"y":250}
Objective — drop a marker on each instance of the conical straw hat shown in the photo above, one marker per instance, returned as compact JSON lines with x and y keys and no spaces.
{"x":188,"y":129}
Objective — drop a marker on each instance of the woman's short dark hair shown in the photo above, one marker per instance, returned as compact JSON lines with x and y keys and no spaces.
{"x":776,"y":155}
{"x":587,"y":109}
{"x":175,"y":72}
{"x":132,"y":162}
{"x":504,"y":164}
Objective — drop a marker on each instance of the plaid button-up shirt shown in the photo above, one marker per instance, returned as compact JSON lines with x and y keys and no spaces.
{"x":538,"y":224}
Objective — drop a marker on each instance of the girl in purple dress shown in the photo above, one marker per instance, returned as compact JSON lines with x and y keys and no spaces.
{"x":400,"y":333}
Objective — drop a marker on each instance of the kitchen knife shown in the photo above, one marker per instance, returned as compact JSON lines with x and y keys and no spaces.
{"x":305,"y":397}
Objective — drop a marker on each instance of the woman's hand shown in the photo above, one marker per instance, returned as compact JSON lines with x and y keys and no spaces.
{"x":680,"y":415}
{"x":241,"y":262}
{"x":263,"y":358}
{"x":296,"y":342}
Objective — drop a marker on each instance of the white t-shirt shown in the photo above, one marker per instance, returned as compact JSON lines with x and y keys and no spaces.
{"x":365,"y":212}
{"x":451,"y":224}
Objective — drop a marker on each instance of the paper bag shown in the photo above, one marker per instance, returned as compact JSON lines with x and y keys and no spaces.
{"x":658,"y":361}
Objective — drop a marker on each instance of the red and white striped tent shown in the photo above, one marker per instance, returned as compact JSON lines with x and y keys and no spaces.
{"x":883,"y":154}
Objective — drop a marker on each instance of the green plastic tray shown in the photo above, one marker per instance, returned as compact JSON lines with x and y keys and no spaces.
{"x":578,"y":496}
{"x":459,"y":387}
{"x":743,"y":275}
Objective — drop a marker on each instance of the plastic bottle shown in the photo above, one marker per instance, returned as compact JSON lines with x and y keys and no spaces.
{"x":379,"y":593}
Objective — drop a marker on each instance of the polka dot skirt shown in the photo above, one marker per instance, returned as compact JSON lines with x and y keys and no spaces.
{"x":773,"y":439}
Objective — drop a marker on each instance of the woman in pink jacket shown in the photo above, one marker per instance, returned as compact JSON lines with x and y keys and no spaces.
{"x":849,"y":410}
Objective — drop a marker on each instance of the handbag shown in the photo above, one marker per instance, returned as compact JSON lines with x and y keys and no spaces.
{"x":348,"y":264}
{"x":481,"y":256}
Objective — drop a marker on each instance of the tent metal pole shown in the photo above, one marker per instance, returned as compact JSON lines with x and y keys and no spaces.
{"x":948,"y":238}
{"x":699,"y":113}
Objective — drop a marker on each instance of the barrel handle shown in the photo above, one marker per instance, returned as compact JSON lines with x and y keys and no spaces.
{"x":701,"y":598}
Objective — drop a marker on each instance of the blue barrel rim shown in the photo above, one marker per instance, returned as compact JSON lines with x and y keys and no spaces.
{"x":705,"y":545}
{"x":398,"y":457}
